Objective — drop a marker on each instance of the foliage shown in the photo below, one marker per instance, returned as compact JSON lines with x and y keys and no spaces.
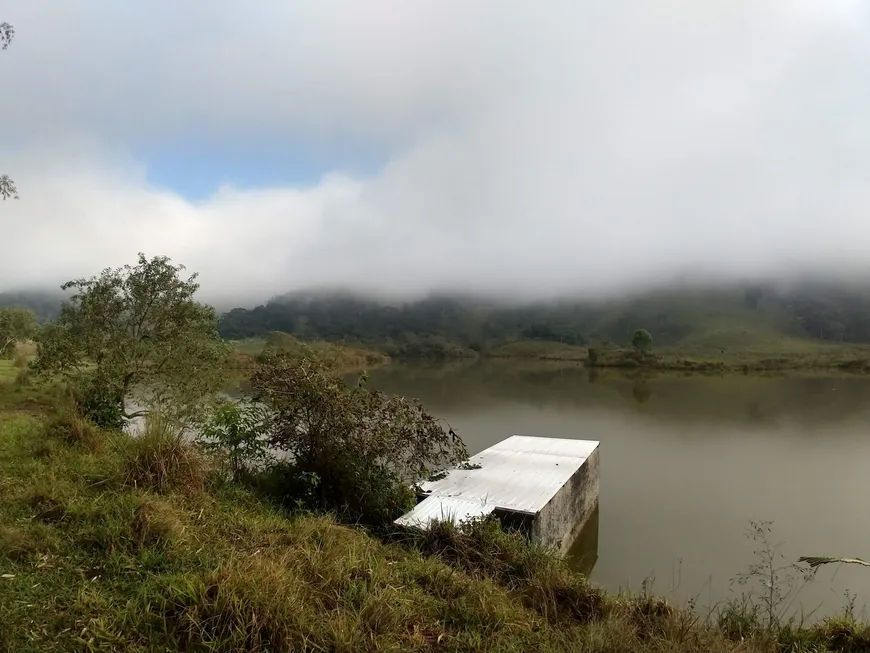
{"x":642,"y":340}
{"x":100,"y":398}
{"x":7,"y":33}
{"x":366,"y":448}
{"x":138,"y":328}
{"x":7,"y":186}
{"x":16,"y":326}
{"x":238,"y":431}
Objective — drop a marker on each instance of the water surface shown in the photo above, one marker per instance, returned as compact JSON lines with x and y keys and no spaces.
{"x":686,"y":463}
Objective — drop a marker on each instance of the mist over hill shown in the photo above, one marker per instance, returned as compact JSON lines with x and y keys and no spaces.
{"x":713,"y":317}
{"x":703,"y":318}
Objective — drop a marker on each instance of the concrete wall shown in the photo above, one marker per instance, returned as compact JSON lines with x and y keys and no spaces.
{"x":561,"y":520}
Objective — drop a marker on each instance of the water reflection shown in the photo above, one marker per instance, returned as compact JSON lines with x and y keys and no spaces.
{"x":583,"y":554}
{"x":686,"y":462}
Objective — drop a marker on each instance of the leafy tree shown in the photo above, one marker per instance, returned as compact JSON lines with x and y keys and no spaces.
{"x":7,"y":186}
{"x":365,"y":449}
{"x":642,"y":340}
{"x":137,"y":329}
{"x":16,"y":325}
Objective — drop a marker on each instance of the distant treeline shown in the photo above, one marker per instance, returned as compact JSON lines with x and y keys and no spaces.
{"x":444,"y":325}
{"x":819,"y":312}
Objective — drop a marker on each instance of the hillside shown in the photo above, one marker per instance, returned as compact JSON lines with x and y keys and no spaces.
{"x":701,"y":322}
{"x":709,"y":321}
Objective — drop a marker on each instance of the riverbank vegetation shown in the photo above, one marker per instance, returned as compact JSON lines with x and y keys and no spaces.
{"x":806,"y":326}
{"x":268,"y":526}
{"x":111,"y":543}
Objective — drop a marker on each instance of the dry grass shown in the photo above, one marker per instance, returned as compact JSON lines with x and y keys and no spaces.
{"x":161,"y":460}
{"x":68,"y":426}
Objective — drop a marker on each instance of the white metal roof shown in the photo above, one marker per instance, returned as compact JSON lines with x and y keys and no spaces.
{"x":437,"y":508}
{"x":521,"y":473}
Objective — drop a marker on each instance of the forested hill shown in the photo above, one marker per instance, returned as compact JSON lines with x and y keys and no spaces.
{"x":46,"y":305}
{"x":709,"y":319}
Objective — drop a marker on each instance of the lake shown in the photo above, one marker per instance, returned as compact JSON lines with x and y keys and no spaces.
{"x":686,"y":463}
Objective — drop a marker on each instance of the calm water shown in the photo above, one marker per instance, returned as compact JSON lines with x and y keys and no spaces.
{"x":686,"y":463}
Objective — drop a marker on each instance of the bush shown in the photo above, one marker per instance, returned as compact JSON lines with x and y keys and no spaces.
{"x":100,"y":400}
{"x":237,"y":430}
{"x":366,"y":449}
{"x":160,"y":460}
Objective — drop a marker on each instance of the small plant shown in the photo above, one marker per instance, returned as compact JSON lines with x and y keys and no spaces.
{"x":773,"y":586}
{"x":238,"y":431}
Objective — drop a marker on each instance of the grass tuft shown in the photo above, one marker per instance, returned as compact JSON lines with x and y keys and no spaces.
{"x":161,"y":460}
{"x":69,"y":427}
{"x":483,"y":549}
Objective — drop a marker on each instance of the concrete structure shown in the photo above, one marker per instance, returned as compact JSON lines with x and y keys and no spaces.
{"x":547,"y":487}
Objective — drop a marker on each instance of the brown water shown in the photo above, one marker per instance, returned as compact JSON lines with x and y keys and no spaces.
{"x":686,"y":463}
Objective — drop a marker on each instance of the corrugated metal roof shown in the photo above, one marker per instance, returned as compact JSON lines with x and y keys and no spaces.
{"x":521,"y":473}
{"x":437,"y":508}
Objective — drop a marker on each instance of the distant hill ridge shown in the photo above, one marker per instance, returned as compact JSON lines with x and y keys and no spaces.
{"x":752,"y":316}
{"x":700,"y":319}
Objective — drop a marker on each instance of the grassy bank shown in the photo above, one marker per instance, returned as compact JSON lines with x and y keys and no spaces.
{"x":346,"y":358}
{"x":724,"y":354}
{"x":788,"y":355}
{"x":112,"y":544}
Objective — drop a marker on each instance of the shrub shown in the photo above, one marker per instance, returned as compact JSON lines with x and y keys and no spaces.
{"x":365,"y":448}
{"x":642,"y":340}
{"x":237,"y":430}
{"x":100,"y":400}
{"x":161,"y":460}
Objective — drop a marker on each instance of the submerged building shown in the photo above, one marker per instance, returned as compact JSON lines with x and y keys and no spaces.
{"x":546,"y":487}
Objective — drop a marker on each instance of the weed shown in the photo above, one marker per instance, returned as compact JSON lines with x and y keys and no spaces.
{"x":764,"y":608}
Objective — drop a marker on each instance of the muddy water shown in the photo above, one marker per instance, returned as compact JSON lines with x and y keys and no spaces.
{"x":686,"y":464}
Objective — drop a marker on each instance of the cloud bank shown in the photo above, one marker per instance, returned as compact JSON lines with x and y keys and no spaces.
{"x":578,"y":147}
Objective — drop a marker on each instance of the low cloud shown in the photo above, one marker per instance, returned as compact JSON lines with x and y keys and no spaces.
{"x":592,"y":148}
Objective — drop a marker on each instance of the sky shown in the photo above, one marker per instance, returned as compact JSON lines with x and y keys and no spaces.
{"x":512,"y":148}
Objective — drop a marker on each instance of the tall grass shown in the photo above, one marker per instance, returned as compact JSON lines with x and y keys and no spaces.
{"x":109,"y":550}
{"x":160,"y":459}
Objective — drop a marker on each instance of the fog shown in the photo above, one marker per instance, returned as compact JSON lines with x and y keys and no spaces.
{"x":591,"y":148}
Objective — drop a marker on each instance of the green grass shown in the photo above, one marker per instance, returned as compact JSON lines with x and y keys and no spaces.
{"x":346,"y":358}
{"x":538,"y":349}
{"x":98,"y":553}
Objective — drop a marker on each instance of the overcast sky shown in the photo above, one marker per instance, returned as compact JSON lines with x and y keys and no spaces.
{"x":491,"y":146}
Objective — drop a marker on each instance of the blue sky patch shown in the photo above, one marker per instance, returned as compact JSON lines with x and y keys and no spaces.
{"x":196,"y":172}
